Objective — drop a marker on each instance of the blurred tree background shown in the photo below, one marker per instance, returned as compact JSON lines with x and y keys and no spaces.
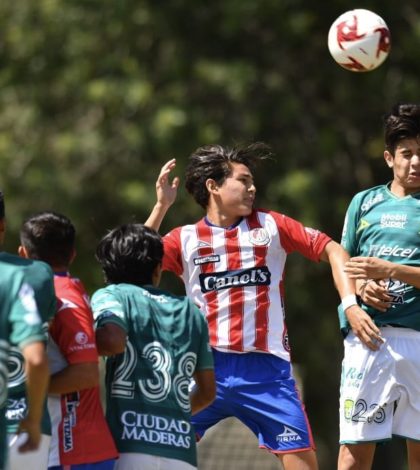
{"x":96,"y":95}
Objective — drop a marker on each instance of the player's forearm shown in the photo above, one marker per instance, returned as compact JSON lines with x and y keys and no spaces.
{"x":361,"y":267}
{"x":408,"y":274}
{"x":74,"y":377}
{"x":157,"y":215}
{"x":204,"y":391}
{"x":37,"y":377}
{"x":337,"y":257}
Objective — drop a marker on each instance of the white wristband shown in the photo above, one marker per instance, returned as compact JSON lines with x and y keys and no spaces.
{"x":348,"y":301}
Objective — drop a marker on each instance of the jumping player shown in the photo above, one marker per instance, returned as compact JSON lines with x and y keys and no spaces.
{"x":80,"y":435}
{"x":380,"y":390}
{"x":156,"y":342}
{"x":232,"y":264}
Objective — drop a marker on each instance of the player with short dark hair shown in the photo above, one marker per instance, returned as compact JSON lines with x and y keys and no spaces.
{"x":156,"y":342}
{"x":232,"y":264}
{"x":50,"y":237}
{"x":80,"y":435}
{"x":380,"y":390}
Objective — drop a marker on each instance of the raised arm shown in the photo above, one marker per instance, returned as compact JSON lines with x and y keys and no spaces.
{"x":166,"y":192}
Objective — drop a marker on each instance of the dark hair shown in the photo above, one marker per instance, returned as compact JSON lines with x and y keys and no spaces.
{"x":403,"y":122}
{"x":129,"y":254}
{"x":50,"y":237}
{"x":215,"y":162}
{"x":2,"y":209}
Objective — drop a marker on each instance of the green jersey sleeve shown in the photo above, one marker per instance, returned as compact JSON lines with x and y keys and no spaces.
{"x":25,"y":321}
{"x":204,"y":355}
{"x":107,"y":308}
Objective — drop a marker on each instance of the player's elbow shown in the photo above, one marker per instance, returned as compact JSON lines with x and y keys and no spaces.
{"x":35,"y":355}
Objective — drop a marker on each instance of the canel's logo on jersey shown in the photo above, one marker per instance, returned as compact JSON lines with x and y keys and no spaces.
{"x":288,"y":435}
{"x":259,"y":236}
{"x":206,"y":260}
{"x":396,"y":250}
{"x":372,"y":201}
{"x":240,"y":278}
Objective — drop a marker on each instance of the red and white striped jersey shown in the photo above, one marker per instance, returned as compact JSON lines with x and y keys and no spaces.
{"x":236,"y":276}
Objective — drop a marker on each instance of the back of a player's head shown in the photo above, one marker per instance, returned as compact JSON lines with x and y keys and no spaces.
{"x":130,"y":254}
{"x":2,"y":208}
{"x":50,"y":237}
{"x":403,"y":122}
{"x":215,"y":162}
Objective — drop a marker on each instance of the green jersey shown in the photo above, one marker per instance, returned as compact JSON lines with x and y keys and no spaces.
{"x":380,"y":224}
{"x":148,"y":408}
{"x":40,"y":277}
{"x":20,"y":324}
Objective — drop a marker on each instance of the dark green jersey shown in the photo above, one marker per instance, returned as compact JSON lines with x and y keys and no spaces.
{"x":20,"y":324}
{"x":148,"y":406}
{"x":385,"y":226}
{"x":40,"y":276}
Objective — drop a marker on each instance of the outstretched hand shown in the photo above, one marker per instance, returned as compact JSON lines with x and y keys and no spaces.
{"x":166,"y":190}
{"x":364,"y":327}
{"x":165,"y":195}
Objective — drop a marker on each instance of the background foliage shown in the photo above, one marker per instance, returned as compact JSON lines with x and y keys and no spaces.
{"x":96,"y":95}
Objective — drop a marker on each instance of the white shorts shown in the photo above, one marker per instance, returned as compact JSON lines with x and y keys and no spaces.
{"x":37,"y":459}
{"x":380,"y":390}
{"x":134,"y":461}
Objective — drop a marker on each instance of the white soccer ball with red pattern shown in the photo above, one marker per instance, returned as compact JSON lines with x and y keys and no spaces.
{"x":359,"y":40}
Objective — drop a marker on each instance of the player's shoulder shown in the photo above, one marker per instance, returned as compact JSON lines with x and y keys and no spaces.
{"x":372,"y":191}
{"x":31,"y":267}
{"x":10,"y":275}
{"x":69,"y":284}
{"x":177,"y":231}
{"x":370,"y":197}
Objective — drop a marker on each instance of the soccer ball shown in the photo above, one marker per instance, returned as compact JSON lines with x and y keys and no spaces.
{"x":359,"y":40}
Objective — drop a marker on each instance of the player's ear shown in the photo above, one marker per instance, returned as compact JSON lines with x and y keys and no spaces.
{"x":22,"y":252}
{"x":211,"y":185}
{"x":389,"y":158}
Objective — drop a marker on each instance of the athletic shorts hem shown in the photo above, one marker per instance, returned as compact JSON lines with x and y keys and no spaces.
{"x":374,"y":441}
{"x":289,"y":451}
{"x":399,"y":436}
